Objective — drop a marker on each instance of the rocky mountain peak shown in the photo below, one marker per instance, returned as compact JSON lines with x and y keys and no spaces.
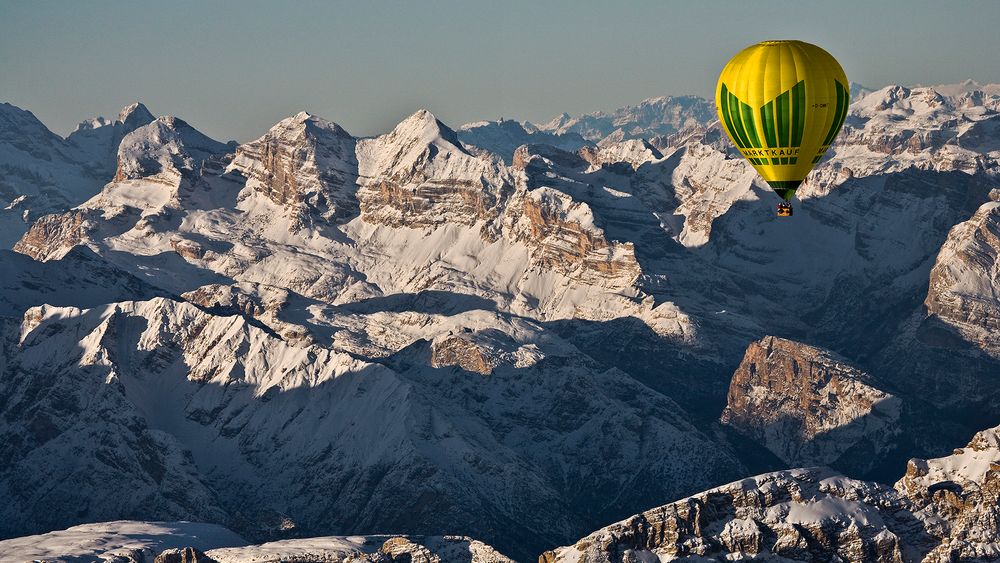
{"x":135,"y":115}
{"x":424,"y":127}
{"x":593,"y":293}
{"x":312,"y":125}
{"x":809,"y":406}
{"x":556,"y":122}
{"x":419,"y":174}
{"x":166,"y":146}
{"x":22,"y":129}
{"x":306,"y":164}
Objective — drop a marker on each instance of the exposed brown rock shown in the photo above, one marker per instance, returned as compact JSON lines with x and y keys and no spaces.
{"x":306,"y":164}
{"x":53,"y":234}
{"x":183,"y":555}
{"x":464,"y":353}
{"x":568,"y":247}
{"x":430,"y":203}
{"x":188,"y":249}
{"x":402,"y":550}
{"x":807,"y":405}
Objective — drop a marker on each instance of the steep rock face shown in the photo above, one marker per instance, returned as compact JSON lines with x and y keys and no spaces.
{"x":567,"y":240}
{"x":53,"y":235}
{"x":429,"y":213}
{"x":697,"y":184}
{"x":419,"y":176}
{"x":809,"y":406}
{"x":306,"y":164}
{"x":158,"y":165}
{"x":965,"y":282}
{"x":957,"y":497}
{"x":941,"y":510}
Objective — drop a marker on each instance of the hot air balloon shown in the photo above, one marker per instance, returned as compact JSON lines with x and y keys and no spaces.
{"x":782,"y":103}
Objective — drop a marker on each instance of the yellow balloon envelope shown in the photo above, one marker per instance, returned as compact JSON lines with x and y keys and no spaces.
{"x":782,"y":103}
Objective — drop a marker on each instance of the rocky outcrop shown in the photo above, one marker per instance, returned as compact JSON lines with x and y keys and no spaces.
{"x":959,"y":497}
{"x":798,"y":515}
{"x":482,"y":351}
{"x":458,"y":351}
{"x":183,"y":555}
{"x":942,"y":510}
{"x":809,"y":406}
{"x":566,"y":239}
{"x":964,"y":282}
{"x":306,"y":164}
{"x":418,"y":175}
{"x":258,"y":303}
{"x":52,"y":236}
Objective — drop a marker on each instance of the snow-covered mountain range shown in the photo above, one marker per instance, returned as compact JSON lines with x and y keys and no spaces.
{"x":511,"y":332}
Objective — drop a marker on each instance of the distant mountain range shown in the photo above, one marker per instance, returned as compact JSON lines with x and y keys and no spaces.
{"x":511,"y":332}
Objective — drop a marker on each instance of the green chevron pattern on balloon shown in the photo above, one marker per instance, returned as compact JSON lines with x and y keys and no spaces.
{"x":782,"y":120}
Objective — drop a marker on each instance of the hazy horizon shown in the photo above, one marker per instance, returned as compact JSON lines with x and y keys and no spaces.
{"x":234,"y":69}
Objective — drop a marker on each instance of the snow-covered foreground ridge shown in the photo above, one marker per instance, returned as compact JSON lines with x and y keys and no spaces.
{"x":941,"y":510}
{"x":511,"y":332}
{"x":127,"y":541}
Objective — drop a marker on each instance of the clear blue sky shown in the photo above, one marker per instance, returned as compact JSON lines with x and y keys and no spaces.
{"x":232,"y":69}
